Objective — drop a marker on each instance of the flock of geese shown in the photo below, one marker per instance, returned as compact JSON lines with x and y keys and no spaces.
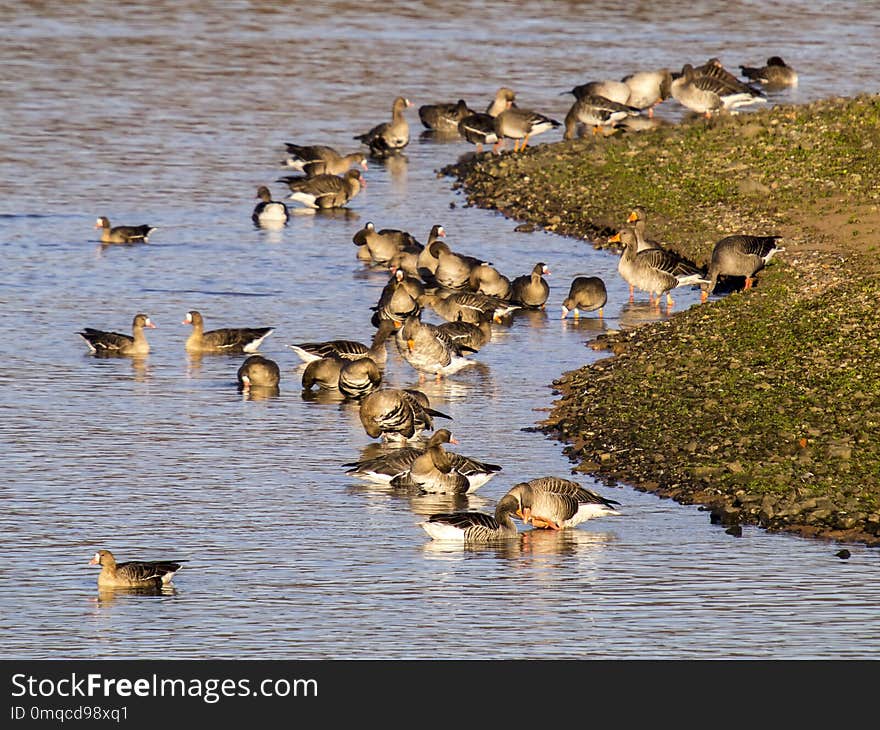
{"x":467,"y":294}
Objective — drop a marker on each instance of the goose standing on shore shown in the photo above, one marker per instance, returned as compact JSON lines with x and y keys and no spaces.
{"x":478,"y":128}
{"x":709,"y":93}
{"x":740,"y":255}
{"x":101,"y":342}
{"x":596,"y":112}
{"x":389,"y":137}
{"x":520,"y":125}
{"x":647,"y":89}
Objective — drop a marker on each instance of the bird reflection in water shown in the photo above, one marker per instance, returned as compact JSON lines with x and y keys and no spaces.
{"x":530,"y":543}
{"x":260,"y":392}
{"x":633,"y":314}
{"x":106,"y":596}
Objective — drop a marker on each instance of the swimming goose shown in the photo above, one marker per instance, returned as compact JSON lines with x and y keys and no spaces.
{"x":708,"y":94}
{"x":775,"y":74}
{"x":486,"y":279}
{"x":224,"y":340}
{"x":116,"y":343}
{"x":556,"y":503}
{"x":435,"y":470}
{"x":389,"y":137}
{"x":323,"y":373}
{"x":740,"y":255}
{"x":647,"y":89}
{"x":467,"y":306}
{"x":397,"y":301}
{"x":595,"y":111}
{"x":134,"y":573}
{"x":531,"y":290}
{"x":654,"y":270}
{"x":358,"y":378}
{"x":258,"y":372}
{"x":123,"y":234}
{"x":384,"y":244}
{"x":348,"y":349}
{"x":520,"y":125}
{"x":269,"y":211}
{"x":474,"y":527}
{"x":398,"y":462}
{"x":319,"y":159}
{"x":396,"y":414}
{"x":587,"y":293}
{"x":443,"y":117}
{"x":424,"y":347}
{"x":325,"y":191}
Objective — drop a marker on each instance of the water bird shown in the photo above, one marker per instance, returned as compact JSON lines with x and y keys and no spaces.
{"x":348,"y":349}
{"x":776,"y":73}
{"x":123,"y":234}
{"x":425,"y":348}
{"x":443,"y":117}
{"x":134,"y":573}
{"x":268,"y":211}
{"x":101,"y":342}
{"x":258,"y":372}
{"x":358,"y":378}
{"x":322,"y":160}
{"x":587,"y":293}
{"x":596,"y":112}
{"x":474,"y":527}
{"x":739,"y":255}
{"x":556,"y":503}
{"x":325,"y":191}
{"x":708,"y":94}
{"x":397,"y":414}
{"x":391,"y":136}
{"x":531,"y":290}
{"x":520,"y":125}
{"x":232,"y":340}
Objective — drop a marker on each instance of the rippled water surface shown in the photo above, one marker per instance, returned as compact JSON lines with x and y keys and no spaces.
{"x":172,"y":114}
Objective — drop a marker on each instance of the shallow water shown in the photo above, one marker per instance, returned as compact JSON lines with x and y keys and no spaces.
{"x":172,"y":114}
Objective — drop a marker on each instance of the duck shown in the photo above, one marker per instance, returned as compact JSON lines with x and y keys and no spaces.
{"x":258,"y":372}
{"x":226,"y":340}
{"x":776,"y":73}
{"x":348,"y":349}
{"x":710,"y":93}
{"x":486,"y":279}
{"x":116,"y":343}
{"x":443,"y":117}
{"x":435,"y":470}
{"x":322,"y":160}
{"x":358,"y":378}
{"x":425,"y":348}
{"x":740,"y":255}
{"x":323,"y":373}
{"x":596,"y":112}
{"x":325,"y":191}
{"x":134,"y":573}
{"x":587,"y":293}
{"x":123,"y":234}
{"x":520,"y":125}
{"x":654,"y":270}
{"x":392,"y":136}
{"x":531,"y":291}
{"x":474,"y":527}
{"x":269,"y":211}
{"x":555,"y":503}
{"x":397,"y":414}
{"x":384,"y":244}
{"x":647,"y":89}
{"x":398,"y":462}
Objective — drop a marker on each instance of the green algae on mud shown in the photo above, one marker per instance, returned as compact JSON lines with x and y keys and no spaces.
{"x":762,"y":405}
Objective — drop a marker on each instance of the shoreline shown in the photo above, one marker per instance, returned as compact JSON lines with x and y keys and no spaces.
{"x":762,"y":406}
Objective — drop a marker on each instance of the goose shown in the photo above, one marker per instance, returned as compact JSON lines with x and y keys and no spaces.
{"x":133,"y":573}
{"x":116,"y":343}
{"x":639,"y":220}
{"x":596,"y":112}
{"x":348,"y":349}
{"x":325,"y":191}
{"x":453,"y":270}
{"x":775,"y":74}
{"x":467,"y":306}
{"x":322,"y":160}
{"x":616,"y":91}
{"x":467,"y":334}
{"x":425,"y":348}
{"x":323,"y":373}
{"x":258,"y":372}
{"x":474,"y":527}
{"x":427,"y":261}
{"x":486,"y":279}
{"x":587,"y":293}
{"x":531,"y":290}
{"x":478,"y":128}
{"x":397,"y":301}
{"x":384,"y":244}
{"x":647,"y":89}
{"x":713,"y":68}
{"x":269,"y":211}
{"x":708,"y":94}
{"x":443,"y":117}
{"x":397,"y":414}
{"x":520,"y":125}
{"x":654,"y":270}
{"x":740,"y":255}
{"x":435,"y":470}
{"x":226,"y":340}
{"x":392,"y":136}
{"x":557,"y":503}
{"x":398,"y":462}
{"x":123,"y":234}
{"x":358,"y":378}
